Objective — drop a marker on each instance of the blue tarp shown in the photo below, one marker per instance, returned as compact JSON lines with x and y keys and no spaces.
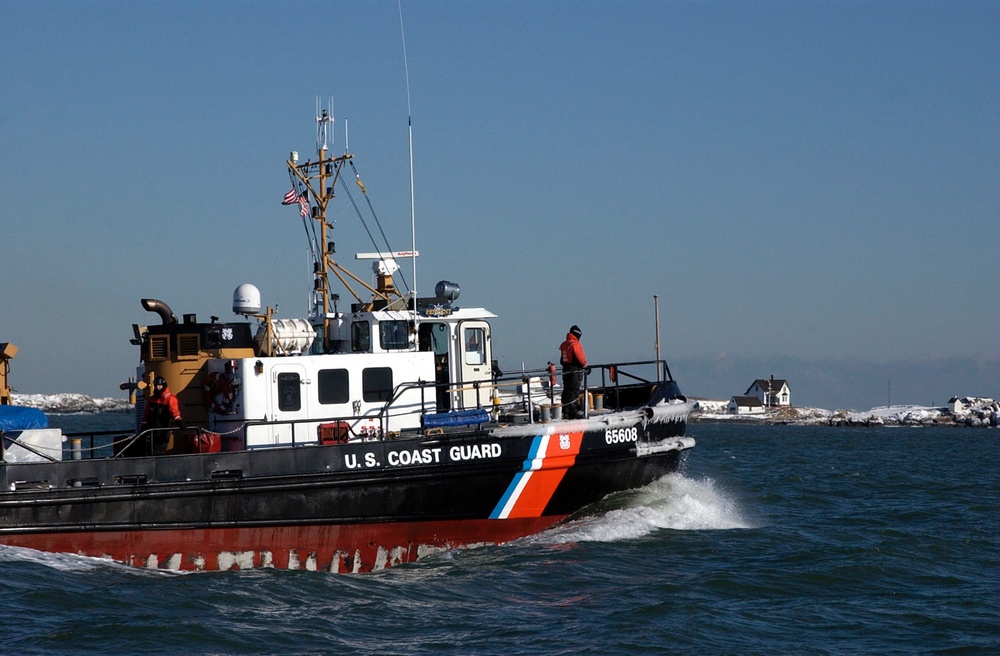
{"x":17,"y":418}
{"x":456,"y":418}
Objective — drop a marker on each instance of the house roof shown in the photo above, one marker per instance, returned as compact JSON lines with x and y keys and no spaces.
{"x":775,"y":384}
{"x":747,"y":401}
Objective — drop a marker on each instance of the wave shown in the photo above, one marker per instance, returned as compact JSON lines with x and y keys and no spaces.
{"x":67,"y":562}
{"x":673,"y":502}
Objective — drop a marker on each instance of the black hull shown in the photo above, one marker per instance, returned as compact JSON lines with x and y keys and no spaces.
{"x":353,"y":507}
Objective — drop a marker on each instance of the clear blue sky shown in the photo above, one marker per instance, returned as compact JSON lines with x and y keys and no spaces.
{"x":811,"y":188}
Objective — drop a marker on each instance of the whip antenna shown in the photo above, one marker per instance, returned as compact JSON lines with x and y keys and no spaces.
{"x":409,"y":127}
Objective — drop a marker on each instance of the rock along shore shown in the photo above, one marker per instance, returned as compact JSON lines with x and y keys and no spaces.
{"x":985,"y":414}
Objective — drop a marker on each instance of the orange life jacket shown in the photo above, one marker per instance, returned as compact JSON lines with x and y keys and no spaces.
{"x":571,"y":352}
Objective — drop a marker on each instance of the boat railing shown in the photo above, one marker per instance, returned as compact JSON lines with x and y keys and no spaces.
{"x":92,"y":445}
{"x":89,"y":445}
{"x":522,"y":393}
{"x":613,"y":374}
{"x":152,"y":441}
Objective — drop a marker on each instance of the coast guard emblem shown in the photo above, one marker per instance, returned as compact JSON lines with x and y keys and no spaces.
{"x":564,"y":442}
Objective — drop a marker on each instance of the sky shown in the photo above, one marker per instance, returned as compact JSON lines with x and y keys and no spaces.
{"x":810,"y":189}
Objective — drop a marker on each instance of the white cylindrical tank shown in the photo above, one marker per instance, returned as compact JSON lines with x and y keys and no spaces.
{"x":291,"y":336}
{"x":246,"y":299}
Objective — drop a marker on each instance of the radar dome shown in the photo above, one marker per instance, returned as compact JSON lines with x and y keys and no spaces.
{"x":246,"y":299}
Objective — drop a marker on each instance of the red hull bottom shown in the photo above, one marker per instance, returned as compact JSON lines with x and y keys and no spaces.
{"x":330,"y":548}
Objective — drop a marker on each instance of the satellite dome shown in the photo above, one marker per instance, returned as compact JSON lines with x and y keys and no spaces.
{"x":246,"y":299}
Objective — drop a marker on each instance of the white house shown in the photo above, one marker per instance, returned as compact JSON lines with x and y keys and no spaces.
{"x":771,"y":392}
{"x":745,"y":405}
{"x":959,"y":406}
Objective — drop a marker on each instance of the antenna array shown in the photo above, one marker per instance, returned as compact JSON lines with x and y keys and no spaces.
{"x":324,"y":124}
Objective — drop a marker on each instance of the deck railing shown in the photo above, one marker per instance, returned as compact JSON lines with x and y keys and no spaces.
{"x":513,"y":395}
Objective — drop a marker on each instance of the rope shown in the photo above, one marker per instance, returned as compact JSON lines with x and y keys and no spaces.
{"x":301,"y":190}
{"x":374,"y":214}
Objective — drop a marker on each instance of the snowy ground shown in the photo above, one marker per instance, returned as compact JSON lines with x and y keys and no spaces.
{"x":984,"y":413}
{"x":71,"y":403}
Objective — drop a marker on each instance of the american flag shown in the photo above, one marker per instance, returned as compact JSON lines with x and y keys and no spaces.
{"x":293,"y":197}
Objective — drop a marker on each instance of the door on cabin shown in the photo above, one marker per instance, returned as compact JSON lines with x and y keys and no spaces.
{"x":474,"y":365}
{"x":289,"y":402}
{"x":434,"y":337}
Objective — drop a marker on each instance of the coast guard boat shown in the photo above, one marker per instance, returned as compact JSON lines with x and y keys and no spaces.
{"x":347,"y":441}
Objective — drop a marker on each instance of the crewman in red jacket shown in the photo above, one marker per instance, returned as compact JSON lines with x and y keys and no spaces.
{"x":574,"y":363}
{"x":162,"y":411}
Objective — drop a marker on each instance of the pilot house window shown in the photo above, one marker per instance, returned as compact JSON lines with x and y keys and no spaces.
{"x":393,"y":335}
{"x":361,"y":337}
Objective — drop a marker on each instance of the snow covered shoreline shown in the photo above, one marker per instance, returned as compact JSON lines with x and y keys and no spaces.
{"x":65,"y":404}
{"x":985,"y":414}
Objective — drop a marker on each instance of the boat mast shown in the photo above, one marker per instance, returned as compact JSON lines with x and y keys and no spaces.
{"x":316,"y":182}
{"x":324,"y":133}
{"x":317,"y":198}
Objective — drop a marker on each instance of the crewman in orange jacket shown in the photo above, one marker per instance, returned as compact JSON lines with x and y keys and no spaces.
{"x":162,"y":407}
{"x":574,"y":363}
{"x":162,"y":410}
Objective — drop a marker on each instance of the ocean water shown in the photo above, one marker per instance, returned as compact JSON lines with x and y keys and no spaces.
{"x":771,"y":540}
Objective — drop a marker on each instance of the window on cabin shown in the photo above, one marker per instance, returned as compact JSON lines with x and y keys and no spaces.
{"x":333,"y":386}
{"x":475,"y":346}
{"x":289,"y":392}
{"x":376,"y":384}
{"x":393,"y":335}
{"x":361,"y":337}
{"x":434,"y":337}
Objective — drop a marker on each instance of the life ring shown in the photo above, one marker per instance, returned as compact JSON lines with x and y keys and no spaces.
{"x":219,"y":393}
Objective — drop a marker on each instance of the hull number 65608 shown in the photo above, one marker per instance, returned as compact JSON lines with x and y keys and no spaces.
{"x":620,"y":435}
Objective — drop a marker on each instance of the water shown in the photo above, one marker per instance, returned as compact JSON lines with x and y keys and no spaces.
{"x":771,"y":540}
